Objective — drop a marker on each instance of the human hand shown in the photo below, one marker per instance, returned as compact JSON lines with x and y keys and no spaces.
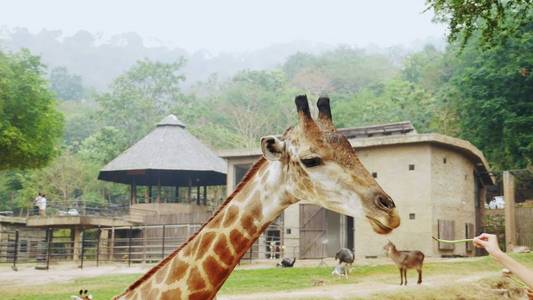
{"x":489,"y":242}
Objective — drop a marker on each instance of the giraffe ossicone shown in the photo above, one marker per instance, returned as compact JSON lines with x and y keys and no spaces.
{"x":310,"y":161}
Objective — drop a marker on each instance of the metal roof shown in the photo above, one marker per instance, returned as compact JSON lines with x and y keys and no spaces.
{"x":169,"y":155}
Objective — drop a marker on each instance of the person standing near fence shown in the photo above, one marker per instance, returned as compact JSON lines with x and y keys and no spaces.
{"x":42,"y":207}
{"x":37,"y":204}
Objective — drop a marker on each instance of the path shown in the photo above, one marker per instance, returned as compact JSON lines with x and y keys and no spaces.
{"x":362,"y":289}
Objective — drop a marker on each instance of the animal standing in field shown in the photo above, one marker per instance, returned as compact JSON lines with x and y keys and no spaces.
{"x":286,"y":262}
{"x":310,"y":161}
{"x":83,"y":295}
{"x":345,"y":257}
{"x":405,"y":260}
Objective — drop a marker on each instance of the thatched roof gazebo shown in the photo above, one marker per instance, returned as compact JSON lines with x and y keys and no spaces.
{"x":168,"y":156}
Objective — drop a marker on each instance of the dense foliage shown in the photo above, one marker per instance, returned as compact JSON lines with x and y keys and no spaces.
{"x":30,"y":125}
{"x":495,"y":20}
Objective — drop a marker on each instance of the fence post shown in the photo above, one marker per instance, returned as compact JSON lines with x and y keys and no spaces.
{"x":14,"y":266}
{"x":129,"y":246}
{"x":510,"y":218}
{"x":98,"y":233}
{"x":163,"y":244}
{"x":82,"y":251}
{"x":49,"y":240}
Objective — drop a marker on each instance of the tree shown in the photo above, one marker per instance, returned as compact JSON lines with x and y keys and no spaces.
{"x":101,"y":147}
{"x":394,"y":101}
{"x":493,"y":90}
{"x":142,"y":96}
{"x":66,"y":86}
{"x":495,"y":19}
{"x":30,"y":125}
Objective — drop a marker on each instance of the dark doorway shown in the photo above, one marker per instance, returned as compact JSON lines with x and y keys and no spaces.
{"x":349,"y":233}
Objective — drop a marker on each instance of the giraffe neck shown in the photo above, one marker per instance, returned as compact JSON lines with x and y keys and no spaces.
{"x":198,"y":269}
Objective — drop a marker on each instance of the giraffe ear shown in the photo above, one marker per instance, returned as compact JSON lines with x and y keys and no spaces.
{"x":272,"y":147}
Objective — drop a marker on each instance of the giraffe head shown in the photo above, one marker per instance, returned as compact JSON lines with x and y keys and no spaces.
{"x":321,"y":167}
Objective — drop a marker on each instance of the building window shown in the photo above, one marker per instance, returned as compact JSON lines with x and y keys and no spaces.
{"x":411,"y":216}
{"x":375,"y":174}
{"x":23,"y":246}
{"x":411,"y":167}
{"x":288,"y":231}
{"x":444,"y":160}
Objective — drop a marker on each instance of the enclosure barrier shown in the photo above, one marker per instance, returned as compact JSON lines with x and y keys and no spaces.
{"x":126,"y":245}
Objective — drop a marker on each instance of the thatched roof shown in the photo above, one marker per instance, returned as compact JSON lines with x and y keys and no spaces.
{"x":169,"y":155}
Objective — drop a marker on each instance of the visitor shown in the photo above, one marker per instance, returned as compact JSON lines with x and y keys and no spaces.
{"x":37,"y":204}
{"x":489,"y":242}
{"x":42,"y":207}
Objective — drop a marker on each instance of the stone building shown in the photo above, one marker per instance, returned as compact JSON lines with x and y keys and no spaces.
{"x":437,"y":182}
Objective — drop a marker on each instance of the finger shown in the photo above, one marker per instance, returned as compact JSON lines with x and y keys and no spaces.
{"x":480,"y":243}
{"x":484,"y":236}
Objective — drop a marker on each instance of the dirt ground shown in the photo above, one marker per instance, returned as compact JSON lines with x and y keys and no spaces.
{"x":27,"y":275}
{"x":358,"y":290}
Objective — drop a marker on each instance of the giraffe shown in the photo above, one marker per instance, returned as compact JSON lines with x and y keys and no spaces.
{"x":310,"y":161}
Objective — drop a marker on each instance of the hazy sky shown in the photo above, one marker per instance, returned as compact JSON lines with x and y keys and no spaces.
{"x":233,"y":24}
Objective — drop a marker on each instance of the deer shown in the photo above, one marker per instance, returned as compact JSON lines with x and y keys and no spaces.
{"x":405,"y":260}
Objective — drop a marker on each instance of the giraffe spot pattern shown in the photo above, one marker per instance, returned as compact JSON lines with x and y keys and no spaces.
{"x":177,"y":271}
{"x":207,"y":239}
{"x":195,"y":282}
{"x":231,"y":216}
{"x":222,"y":250}
{"x":202,"y":295}
{"x":255,"y":208}
{"x":174,"y":294}
{"x":215,"y":222}
{"x":160,"y":275}
{"x":215,"y":271}
{"x":239,"y":242}
{"x":247,"y":222}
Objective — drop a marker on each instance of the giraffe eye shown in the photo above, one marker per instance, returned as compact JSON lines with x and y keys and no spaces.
{"x":312,"y":161}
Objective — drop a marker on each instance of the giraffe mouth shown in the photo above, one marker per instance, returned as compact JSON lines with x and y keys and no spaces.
{"x":378,"y":226}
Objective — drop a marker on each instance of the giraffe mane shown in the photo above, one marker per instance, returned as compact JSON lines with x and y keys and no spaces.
{"x":253,"y":170}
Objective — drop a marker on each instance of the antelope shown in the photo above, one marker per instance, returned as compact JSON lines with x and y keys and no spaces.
{"x":405,"y":260}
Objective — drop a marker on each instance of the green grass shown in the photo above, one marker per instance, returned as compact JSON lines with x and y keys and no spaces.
{"x":265,"y":280}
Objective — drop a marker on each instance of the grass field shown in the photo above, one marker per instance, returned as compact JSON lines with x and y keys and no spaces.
{"x":268,"y":280}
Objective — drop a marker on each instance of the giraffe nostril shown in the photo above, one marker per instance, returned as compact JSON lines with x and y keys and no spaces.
{"x":385,"y":202}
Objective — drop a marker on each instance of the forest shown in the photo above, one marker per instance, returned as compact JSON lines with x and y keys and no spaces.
{"x":62,"y":122}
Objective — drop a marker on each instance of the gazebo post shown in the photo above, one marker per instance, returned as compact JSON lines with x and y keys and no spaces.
{"x":197,"y":195}
{"x":189,"y":196}
{"x":150,"y":194}
{"x":133,"y":192}
{"x":205,"y":195}
{"x":177,"y":196}
{"x":158,"y":188}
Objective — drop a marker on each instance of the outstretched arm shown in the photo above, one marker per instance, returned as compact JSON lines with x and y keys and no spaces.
{"x":490,"y":243}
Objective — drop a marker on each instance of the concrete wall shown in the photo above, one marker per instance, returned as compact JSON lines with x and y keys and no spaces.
{"x":411,"y":192}
{"x":452,"y":194}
